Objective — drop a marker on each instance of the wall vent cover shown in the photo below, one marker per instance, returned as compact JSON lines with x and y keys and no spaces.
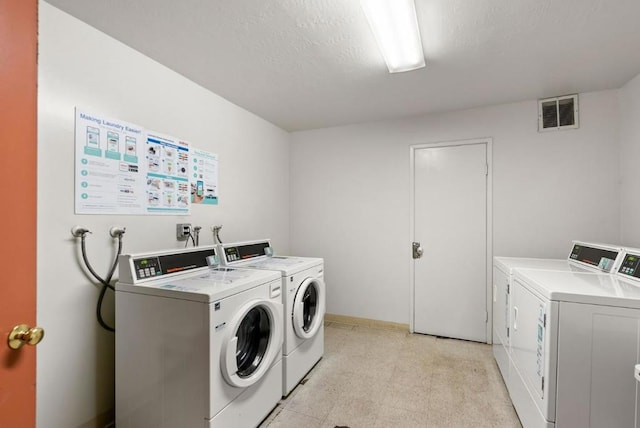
{"x":558,"y":113}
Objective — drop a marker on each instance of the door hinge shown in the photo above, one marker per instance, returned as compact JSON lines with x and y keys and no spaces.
{"x":542,"y":383}
{"x":544,"y":320}
{"x":507,"y":331}
{"x":486,"y":170}
{"x":508,"y":289}
{"x":486,"y":316}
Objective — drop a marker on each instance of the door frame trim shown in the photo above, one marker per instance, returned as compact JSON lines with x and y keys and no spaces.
{"x":488,"y":141}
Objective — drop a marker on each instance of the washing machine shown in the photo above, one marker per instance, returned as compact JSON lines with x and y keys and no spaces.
{"x":574,"y":342}
{"x":196,"y":345}
{"x":303,"y":297}
{"x":583,"y":257}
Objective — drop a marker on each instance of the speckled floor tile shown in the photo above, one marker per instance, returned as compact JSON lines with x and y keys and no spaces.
{"x":407,"y":396}
{"x":314,"y":404}
{"x":290,"y":419}
{"x":370,"y":387}
{"x":387,"y":378}
{"x":394,"y":417}
{"x":354,"y":413}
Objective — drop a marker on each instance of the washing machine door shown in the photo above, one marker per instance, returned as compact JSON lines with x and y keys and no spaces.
{"x":308,"y":307}
{"x":254,"y":342}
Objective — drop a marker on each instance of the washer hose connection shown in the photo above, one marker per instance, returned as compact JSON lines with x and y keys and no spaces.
{"x":115,"y":232}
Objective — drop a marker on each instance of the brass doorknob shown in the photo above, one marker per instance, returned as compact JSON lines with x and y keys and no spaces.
{"x":23,"y":334}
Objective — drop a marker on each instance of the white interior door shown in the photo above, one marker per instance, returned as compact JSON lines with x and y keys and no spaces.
{"x":450,"y":222}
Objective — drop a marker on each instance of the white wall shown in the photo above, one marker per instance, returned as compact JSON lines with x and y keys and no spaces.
{"x":630,"y":161}
{"x":79,"y":66}
{"x":350,"y":194}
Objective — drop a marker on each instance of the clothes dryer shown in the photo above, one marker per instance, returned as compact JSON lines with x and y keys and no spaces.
{"x":304,"y":296}
{"x":574,"y":343}
{"x":583,"y":257}
{"x":196,"y":345}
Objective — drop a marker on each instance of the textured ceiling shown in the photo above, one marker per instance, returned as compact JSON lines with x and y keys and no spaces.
{"x":305,"y":64}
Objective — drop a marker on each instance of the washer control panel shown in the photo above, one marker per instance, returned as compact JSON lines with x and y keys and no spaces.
{"x":630,"y":266}
{"x":157,"y":265}
{"x":146,"y":267}
{"x":246,"y":251}
{"x":602,"y":258}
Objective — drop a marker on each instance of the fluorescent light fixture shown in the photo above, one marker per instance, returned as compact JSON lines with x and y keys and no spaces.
{"x":395,"y":27}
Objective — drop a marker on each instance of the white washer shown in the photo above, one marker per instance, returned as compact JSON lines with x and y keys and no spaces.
{"x":584,"y":257}
{"x":574,"y":346}
{"x":304,"y":297}
{"x":196,"y":345}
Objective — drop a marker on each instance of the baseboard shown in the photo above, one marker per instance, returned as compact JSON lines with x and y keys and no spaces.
{"x":365,"y":322}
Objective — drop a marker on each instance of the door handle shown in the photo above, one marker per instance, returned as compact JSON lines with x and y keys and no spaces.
{"x":23,"y":334}
{"x":417,"y":250}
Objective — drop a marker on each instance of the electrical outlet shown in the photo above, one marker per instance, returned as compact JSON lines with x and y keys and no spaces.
{"x":183,"y":230}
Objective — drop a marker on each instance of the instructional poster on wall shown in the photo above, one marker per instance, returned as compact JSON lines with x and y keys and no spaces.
{"x":204,"y":177}
{"x":109,"y":176}
{"x":122,"y":168}
{"x":167,"y":161}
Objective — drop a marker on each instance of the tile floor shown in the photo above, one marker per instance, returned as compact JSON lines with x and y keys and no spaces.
{"x":388,"y":378}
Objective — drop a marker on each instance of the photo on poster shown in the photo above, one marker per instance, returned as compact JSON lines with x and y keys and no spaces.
{"x":167,"y":186}
{"x":204,"y":177}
